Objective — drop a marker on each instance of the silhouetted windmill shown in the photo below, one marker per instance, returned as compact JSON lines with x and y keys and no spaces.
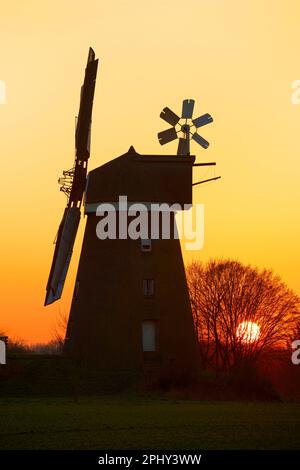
{"x":130,"y":309}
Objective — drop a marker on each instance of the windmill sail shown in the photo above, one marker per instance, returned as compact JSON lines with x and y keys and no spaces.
{"x":62,"y":255}
{"x":83,"y":130}
{"x":74,"y":187}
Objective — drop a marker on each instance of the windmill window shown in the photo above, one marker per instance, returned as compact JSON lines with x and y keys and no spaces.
{"x":149,"y":335}
{"x":148,"y":287}
{"x":146,"y":244}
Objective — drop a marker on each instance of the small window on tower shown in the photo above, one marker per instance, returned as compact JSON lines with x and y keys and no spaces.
{"x":148,"y":287}
{"x":149,"y":336}
{"x":146,"y":244}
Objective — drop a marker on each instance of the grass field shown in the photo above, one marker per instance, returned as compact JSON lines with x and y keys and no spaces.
{"x":145,"y":422}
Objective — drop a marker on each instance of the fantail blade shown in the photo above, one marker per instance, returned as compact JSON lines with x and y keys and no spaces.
{"x":167,"y":136}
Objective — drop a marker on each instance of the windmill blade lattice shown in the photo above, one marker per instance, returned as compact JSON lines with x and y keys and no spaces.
{"x":185,"y":125}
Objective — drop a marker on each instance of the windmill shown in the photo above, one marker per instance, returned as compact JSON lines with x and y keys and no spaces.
{"x":73,"y":184}
{"x":130,"y":309}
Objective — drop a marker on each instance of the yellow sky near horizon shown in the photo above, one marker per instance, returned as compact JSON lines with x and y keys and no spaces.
{"x":236,"y":59}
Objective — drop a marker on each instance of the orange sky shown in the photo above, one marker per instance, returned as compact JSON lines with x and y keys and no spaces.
{"x":236,"y":59}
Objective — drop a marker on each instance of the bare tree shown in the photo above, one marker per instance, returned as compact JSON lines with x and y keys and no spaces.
{"x":239,"y":312}
{"x":59,"y":333}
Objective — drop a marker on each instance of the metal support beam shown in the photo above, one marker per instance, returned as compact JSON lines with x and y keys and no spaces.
{"x":206,"y":181}
{"x":205,"y":164}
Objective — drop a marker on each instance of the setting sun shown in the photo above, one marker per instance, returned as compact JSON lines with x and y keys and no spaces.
{"x":248,"y":331}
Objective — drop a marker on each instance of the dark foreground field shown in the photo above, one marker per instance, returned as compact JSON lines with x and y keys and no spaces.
{"x":50,"y":403}
{"x":141,"y":422}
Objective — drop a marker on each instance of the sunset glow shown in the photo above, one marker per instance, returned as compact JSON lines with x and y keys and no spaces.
{"x":248,"y":331}
{"x":240,"y":71}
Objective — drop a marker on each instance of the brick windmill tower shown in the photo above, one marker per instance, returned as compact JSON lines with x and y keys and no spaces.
{"x":130,"y":309}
